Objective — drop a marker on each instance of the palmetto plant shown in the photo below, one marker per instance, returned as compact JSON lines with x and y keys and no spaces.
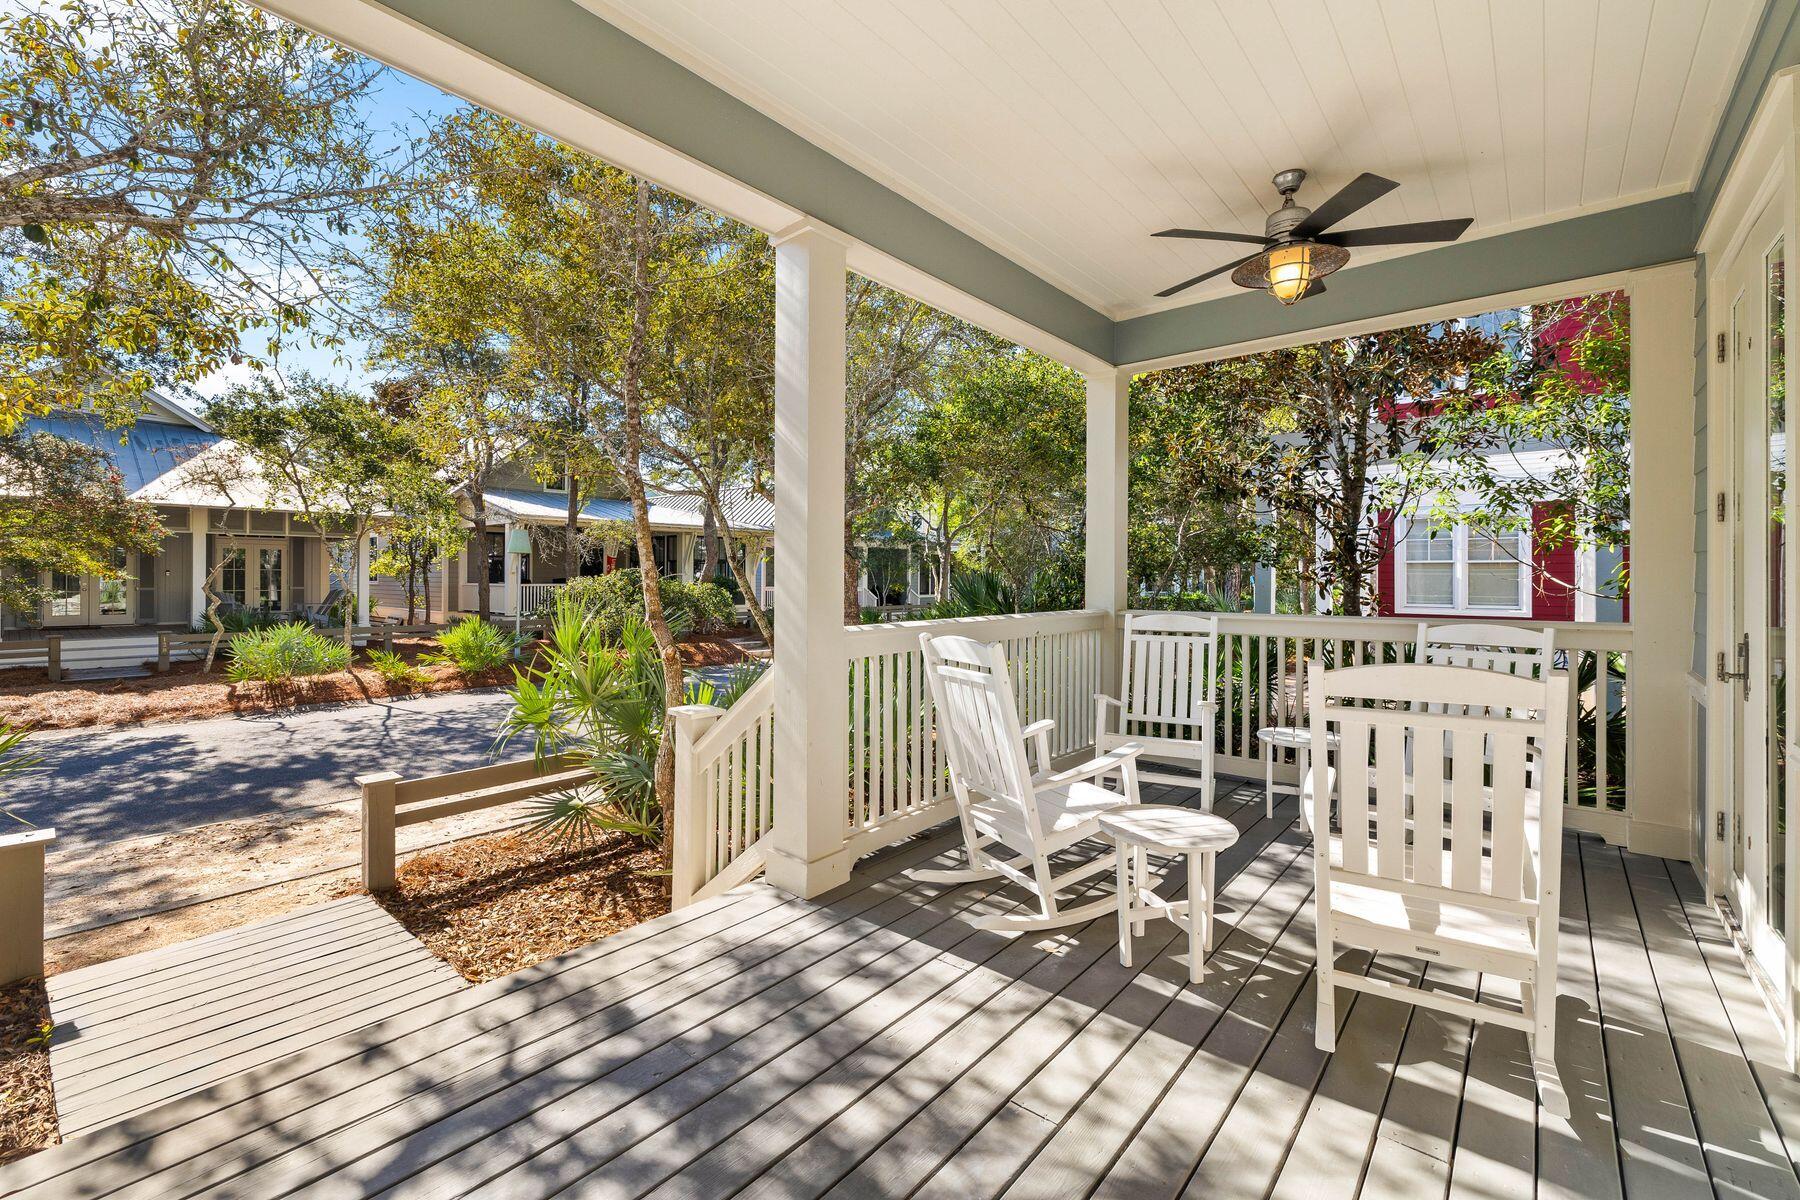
{"x":598,"y":701}
{"x":15,"y":760}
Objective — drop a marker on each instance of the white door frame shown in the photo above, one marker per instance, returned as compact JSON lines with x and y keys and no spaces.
{"x":90,"y":599}
{"x":1761,"y":180}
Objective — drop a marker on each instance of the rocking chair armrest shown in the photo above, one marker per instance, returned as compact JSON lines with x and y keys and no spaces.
{"x":1038,"y":733}
{"x":1117,"y":759}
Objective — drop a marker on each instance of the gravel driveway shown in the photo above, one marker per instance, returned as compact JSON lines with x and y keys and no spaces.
{"x":107,"y":785}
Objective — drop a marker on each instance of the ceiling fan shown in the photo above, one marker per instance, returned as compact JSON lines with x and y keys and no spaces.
{"x":1297,"y":250}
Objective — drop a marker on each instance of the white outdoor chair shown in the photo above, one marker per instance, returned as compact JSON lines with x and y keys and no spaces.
{"x":1504,"y":648}
{"x":1385,"y":882}
{"x":1170,"y":702}
{"x":1000,"y":801}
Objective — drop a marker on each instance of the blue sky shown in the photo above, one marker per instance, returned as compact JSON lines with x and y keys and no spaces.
{"x":396,"y":110}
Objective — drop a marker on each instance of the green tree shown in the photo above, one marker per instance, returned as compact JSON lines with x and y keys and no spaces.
{"x":176,"y":174}
{"x":65,"y":510}
{"x":328,"y":450}
{"x":1330,"y":434}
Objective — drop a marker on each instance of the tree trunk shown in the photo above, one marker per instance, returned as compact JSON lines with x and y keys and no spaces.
{"x":715,"y":516}
{"x":674,"y":683}
{"x":852,"y":578}
{"x":479,"y":526}
{"x":425,"y":581}
{"x":572,"y":531}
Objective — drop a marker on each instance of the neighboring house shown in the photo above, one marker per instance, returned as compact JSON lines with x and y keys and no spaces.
{"x":524,"y":562}
{"x":273,"y":559}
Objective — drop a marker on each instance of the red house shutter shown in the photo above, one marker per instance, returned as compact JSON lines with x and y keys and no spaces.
{"x":1384,"y":566}
{"x":1553,"y":568}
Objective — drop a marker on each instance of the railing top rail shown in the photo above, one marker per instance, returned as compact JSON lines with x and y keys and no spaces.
{"x":1571,"y":635}
{"x":890,"y":636}
{"x":757,"y":699}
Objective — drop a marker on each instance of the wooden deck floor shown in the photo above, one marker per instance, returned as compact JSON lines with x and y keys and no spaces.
{"x":874,"y":1044}
{"x":138,"y":1031}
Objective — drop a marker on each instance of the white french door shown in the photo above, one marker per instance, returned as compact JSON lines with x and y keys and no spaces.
{"x":1755,"y":662}
{"x":90,"y":599}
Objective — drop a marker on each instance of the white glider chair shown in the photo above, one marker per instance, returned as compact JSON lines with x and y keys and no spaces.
{"x":1001,"y":801}
{"x":1170,"y":702}
{"x":1507,"y":649}
{"x":1471,"y":875}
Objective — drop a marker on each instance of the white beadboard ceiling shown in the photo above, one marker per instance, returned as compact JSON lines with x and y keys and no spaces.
{"x":1063,"y":132}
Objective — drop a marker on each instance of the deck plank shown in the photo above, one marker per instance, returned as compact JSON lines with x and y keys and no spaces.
{"x":150,"y":1028}
{"x":1659,"y":1148}
{"x":1758,"y":1035}
{"x":1743,"y":1147}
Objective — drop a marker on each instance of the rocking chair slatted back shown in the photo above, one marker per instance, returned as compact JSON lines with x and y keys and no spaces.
{"x":1440,"y":739}
{"x":979,"y":724}
{"x":1170,"y":672}
{"x":1502,"y":648}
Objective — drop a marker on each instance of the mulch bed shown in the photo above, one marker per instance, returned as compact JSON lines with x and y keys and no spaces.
{"x":491,"y":906}
{"x":29,"y":700}
{"x":27,"y":1103}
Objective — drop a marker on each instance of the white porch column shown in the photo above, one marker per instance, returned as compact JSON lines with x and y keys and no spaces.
{"x":359,"y":564}
{"x":1662,"y":561}
{"x":811,"y":716}
{"x":1108,"y":485}
{"x":197,"y":522}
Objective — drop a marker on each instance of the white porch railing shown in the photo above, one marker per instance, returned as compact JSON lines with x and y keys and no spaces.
{"x":897,"y":786}
{"x":898,"y":783}
{"x":536,"y":596}
{"x":1259,"y":657}
{"x":724,"y":792}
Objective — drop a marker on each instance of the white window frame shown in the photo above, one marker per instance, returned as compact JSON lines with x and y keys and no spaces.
{"x":1458,"y":535}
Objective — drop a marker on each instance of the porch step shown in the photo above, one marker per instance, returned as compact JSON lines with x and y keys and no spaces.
{"x":138,"y":1031}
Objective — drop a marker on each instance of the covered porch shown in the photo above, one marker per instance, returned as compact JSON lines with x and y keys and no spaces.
{"x":837,"y":1025}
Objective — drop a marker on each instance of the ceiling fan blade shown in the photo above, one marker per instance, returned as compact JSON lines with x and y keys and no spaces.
{"x":1188,"y":283}
{"x":1396,"y":235}
{"x":1360,"y":192}
{"x":1213,"y":235}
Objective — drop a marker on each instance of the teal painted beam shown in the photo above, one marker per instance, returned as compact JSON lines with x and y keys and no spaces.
{"x":596,"y":64}
{"x":1620,"y":239}
{"x":1774,"y":45}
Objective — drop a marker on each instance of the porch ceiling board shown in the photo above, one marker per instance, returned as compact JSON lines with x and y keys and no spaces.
{"x":1063,"y":134}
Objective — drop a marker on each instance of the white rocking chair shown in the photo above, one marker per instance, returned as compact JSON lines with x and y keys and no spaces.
{"x":1454,"y":741}
{"x":1000,"y":801}
{"x":1169,"y":706}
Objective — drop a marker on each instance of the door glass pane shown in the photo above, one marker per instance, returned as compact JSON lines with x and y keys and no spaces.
{"x":268,"y":582}
{"x":1775,"y":363}
{"x":65,"y":595}
{"x":112,"y":596}
{"x":231,"y":575}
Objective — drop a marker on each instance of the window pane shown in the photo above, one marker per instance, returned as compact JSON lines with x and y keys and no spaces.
{"x":1430,"y":583}
{"x":1422,"y":546}
{"x":1484,"y":547}
{"x":65,"y":595}
{"x":1493,"y":585}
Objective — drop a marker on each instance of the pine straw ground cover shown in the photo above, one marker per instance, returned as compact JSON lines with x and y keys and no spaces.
{"x":491,"y":906}
{"x":27,"y":1104}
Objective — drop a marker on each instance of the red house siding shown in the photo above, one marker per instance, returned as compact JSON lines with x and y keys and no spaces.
{"x":1553,"y":572}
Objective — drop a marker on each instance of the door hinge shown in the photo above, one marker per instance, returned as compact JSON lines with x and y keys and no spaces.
{"x":1721,"y":345}
{"x":1719,"y":509}
{"x":1719,"y":826}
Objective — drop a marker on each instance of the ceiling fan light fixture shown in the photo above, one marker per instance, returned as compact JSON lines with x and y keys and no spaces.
{"x":1289,"y":270}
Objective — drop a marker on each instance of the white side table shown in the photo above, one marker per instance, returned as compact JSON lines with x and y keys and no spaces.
{"x":1138,"y":829}
{"x":1290,"y":737}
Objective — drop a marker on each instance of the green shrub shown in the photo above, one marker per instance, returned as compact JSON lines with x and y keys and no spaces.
{"x":614,"y":598}
{"x":473,"y":645}
{"x":282,"y":653}
{"x":395,"y":669}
